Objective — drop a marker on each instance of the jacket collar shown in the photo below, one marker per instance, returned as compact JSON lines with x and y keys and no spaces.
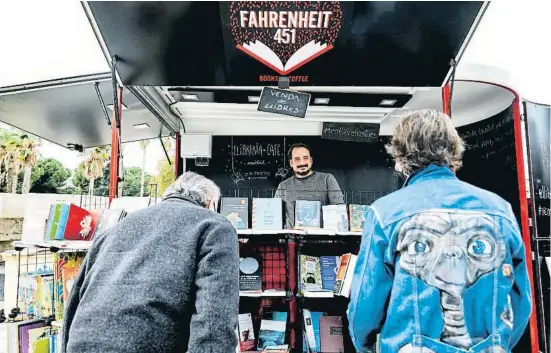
{"x":432,"y":171}
{"x":182,"y":198}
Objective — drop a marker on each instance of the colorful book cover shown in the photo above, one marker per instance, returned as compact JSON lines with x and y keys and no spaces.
{"x":331,"y":335}
{"x":64,"y":214}
{"x":357,"y":217}
{"x":66,"y":263}
{"x":55,"y":222}
{"x":335,"y":217}
{"x":307,"y":214}
{"x":39,"y":341}
{"x":236,"y":210}
{"x":80,"y":224}
{"x":26,"y":333}
{"x":311,"y":324}
{"x":272,"y":329}
{"x":310,"y":273}
{"x":329,"y":267}
{"x":50,"y":222}
{"x":250,"y":274}
{"x":267,"y":213}
{"x":246,"y":333}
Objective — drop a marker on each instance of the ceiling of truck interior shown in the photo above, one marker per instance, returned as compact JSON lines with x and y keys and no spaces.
{"x":69,"y":47}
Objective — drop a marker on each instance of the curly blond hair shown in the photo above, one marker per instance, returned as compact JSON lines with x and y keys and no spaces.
{"x":424,"y":137}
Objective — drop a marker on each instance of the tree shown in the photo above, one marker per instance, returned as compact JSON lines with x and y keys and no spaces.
{"x":101,"y":186}
{"x":29,"y":157}
{"x":48,"y":176}
{"x":10,"y":158}
{"x":94,"y":166}
{"x":132,"y":181}
{"x":166,"y":175}
{"x":143,"y":146}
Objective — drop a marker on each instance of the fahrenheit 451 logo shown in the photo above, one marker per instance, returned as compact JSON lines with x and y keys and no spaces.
{"x":285,"y":35}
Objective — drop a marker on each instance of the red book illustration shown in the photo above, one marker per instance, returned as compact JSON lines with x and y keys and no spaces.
{"x":80,"y":224}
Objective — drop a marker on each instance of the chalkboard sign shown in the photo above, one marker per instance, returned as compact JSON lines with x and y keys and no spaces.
{"x":255,"y":165}
{"x":538,"y":117}
{"x":284,"y":102}
{"x":355,"y":132}
{"x":489,"y":161}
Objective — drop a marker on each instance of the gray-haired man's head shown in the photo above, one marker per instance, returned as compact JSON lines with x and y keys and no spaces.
{"x":424,"y":137}
{"x":195,"y":186}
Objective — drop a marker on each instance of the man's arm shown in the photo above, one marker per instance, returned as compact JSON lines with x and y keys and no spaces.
{"x":521,"y":293}
{"x":335,"y":194}
{"x":213,"y":325}
{"x":371,"y":286}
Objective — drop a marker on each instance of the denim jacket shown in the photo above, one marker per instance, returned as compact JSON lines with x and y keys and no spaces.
{"x":441,"y":269}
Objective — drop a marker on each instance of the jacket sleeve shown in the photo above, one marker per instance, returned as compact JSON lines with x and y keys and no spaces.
{"x":521,"y":293}
{"x":335,"y":194}
{"x":213,"y":324}
{"x":371,"y":286}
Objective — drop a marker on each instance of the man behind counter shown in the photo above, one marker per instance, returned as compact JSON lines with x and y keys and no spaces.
{"x":306,"y":184}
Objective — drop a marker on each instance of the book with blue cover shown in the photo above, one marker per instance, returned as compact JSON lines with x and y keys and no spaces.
{"x":335,"y":217}
{"x":267,"y":213}
{"x":272,"y":330}
{"x":236,"y":210}
{"x":329,"y":267}
{"x":307,"y":214}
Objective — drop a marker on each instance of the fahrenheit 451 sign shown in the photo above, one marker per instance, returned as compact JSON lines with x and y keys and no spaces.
{"x":284,"y":35}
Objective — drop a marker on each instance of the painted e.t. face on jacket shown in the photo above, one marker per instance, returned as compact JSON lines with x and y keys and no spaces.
{"x":450,"y":252}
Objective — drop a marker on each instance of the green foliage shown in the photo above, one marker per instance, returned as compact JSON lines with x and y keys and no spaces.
{"x":48,"y":175}
{"x":132,"y":181}
{"x":166,"y":176}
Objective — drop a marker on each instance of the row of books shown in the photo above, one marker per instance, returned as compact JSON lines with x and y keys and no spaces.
{"x":267,"y":214}
{"x":270,"y":337}
{"x":322,"y":333}
{"x":32,"y":336}
{"x":68,"y":221}
{"x":326,"y":276}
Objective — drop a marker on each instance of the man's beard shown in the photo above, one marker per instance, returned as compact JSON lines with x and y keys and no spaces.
{"x":304,"y":173}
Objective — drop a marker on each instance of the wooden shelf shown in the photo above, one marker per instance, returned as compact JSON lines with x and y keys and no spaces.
{"x":264,"y":294}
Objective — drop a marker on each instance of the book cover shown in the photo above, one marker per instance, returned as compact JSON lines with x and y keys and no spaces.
{"x":236,"y":210}
{"x":345,"y":274}
{"x":55,"y":221}
{"x":66,"y":264}
{"x":307,"y":214}
{"x":335,"y":218}
{"x":246,"y":333}
{"x":267,"y":213}
{"x":311,"y":323}
{"x":329,"y":268}
{"x":50,"y":222}
{"x":310,"y":273}
{"x":272,"y":329}
{"x":80,"y":224}
{"x":63,"y":215}
{"x":331,"y":335}
{"x":250,"y":274}
{"x":357,"y":217}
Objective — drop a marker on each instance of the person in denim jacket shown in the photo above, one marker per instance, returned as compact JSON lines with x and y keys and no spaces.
{"x":442,"y":266}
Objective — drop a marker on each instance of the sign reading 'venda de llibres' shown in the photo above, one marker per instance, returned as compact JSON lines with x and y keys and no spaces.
{"x":284,"y":102}
{"x":285,"y":35}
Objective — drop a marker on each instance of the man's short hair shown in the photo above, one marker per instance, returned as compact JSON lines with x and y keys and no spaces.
{"x":424,"y":137}
{"x":298,"y":145}
{"x":195,"y":186}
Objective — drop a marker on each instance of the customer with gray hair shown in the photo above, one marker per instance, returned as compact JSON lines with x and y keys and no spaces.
{"x":164,"y":279}
{"x":442,"y":265}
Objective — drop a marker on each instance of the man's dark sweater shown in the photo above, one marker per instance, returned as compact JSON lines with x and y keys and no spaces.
{"x":317,"y":186}
{"x":164,"y":279}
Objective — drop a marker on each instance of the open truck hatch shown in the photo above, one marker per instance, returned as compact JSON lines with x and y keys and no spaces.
{"x":373,"y":44}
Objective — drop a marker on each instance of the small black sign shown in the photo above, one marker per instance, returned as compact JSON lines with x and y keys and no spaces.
{"x":284,"y":102}
{"x":355,"y":132}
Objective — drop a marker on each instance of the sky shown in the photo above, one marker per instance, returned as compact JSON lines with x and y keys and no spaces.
{"x":60,"y":43}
